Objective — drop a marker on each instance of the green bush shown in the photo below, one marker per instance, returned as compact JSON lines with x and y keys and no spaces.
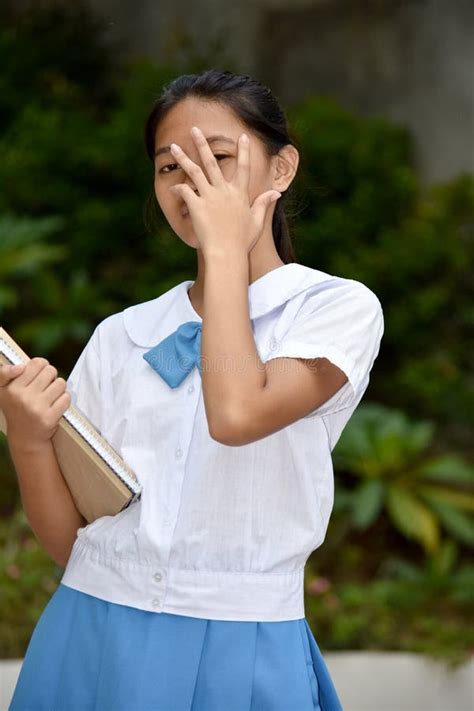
{"x":28,"y":578}
{"x":399,"y":474}
{"x":74,"y":249}
{"x":365,"y":215}
{"x":415,"y":608}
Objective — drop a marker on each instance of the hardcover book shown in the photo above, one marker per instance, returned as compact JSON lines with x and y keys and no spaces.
{"x":100,"y":481}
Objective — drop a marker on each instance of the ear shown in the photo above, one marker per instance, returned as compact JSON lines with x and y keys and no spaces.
{"x":285,"y":165}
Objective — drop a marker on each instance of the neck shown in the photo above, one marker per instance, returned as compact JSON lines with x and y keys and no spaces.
{"x":262,"y":259}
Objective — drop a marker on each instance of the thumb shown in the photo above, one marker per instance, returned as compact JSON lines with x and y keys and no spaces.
{"x":263,"y":202}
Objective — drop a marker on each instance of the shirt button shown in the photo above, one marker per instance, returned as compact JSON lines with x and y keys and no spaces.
{"x":157,"y":576}
{"x":178,"y":453}
{"x":191,"y":389}
{"x":155,"y":602}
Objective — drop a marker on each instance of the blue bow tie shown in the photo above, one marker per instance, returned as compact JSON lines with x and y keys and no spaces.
{"x":177,"y":354}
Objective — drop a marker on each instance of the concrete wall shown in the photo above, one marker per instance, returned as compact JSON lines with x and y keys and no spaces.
{"x":412,"y":61}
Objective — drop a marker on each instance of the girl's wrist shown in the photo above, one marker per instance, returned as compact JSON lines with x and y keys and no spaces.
{"x":235,"y":259}
{"x":25,"y":446}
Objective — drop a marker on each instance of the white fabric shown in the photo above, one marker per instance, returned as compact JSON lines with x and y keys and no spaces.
{"x":221,"y":532}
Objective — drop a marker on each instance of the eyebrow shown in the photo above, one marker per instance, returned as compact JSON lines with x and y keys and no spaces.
{"x":209,"y":139}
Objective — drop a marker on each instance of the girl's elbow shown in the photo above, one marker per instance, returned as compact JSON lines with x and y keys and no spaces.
{"x":227,"y":430}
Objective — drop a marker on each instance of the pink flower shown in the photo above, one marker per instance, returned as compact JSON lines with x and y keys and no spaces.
{"x":13,"y":571}
{"x":317,"y":586}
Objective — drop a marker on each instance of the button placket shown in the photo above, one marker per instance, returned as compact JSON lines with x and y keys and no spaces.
{"x":169,"y":518}
{"x":158,"y":578}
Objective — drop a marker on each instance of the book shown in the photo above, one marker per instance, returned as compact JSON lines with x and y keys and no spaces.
{"x":100,"y":481}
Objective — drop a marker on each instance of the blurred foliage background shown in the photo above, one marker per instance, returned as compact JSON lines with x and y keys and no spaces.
{"x":395,"y":571}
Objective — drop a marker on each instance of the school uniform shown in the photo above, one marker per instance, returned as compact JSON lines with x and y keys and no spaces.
{"x":192,"y":598}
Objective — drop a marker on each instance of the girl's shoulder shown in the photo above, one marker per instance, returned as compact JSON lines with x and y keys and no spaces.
{"x":319,"y":281}
{"x":144,"y":323}
{"x":293,"y":285}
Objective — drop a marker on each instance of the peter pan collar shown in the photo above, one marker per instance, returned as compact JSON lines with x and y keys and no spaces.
{"x":150,"y":321}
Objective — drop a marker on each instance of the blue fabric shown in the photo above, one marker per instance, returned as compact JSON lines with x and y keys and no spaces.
{"x":177,"y":354}
{"x":87,"y":654}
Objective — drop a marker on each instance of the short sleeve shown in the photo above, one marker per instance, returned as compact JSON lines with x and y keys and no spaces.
{"x":343,"y":323}
{"x":84,"y":385}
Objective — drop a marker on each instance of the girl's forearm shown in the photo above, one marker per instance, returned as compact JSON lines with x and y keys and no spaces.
{"x":46,"y":499}
{"x":232,"y":371}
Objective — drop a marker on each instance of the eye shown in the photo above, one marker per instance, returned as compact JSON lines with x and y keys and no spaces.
{"x":172,"y":165}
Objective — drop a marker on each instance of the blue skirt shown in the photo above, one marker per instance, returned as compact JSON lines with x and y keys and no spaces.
{"x":87,"y":654}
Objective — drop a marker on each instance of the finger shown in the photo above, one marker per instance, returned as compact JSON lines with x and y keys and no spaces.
{"x":54,"y":391}
{"x":9,"y":372}
{"x":44,"y":378}
{"x":31,"y":370}
{"x":262,"y":203}
{"x":191,"y":168}
{"x":186,"y":193}
{"x":59,"y":407}
{"x":210,"y":163}
{"x":243,"y":163}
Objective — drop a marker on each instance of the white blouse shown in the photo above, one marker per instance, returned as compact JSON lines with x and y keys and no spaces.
{"x":220,"y":532}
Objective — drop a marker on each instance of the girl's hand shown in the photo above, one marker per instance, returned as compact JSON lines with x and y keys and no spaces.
{"x":33,"y":400}
{"x":222,"y":218}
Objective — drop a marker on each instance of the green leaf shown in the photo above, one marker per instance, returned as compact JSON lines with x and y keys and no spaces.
{"x":457,"y":499}
{"x":412,"y":517}
{"x":29,"y":258}
{"x":443,"y":562}
{"x":367,"y":502}
{"x":449,"y":468}
{"x":380,"y":440}
{"x":455,"y":522}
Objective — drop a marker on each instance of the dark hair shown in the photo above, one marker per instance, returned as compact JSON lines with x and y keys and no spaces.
{"x":255,"y":106}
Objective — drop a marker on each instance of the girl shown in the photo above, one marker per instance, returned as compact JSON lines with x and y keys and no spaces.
{"x":192,"y":598}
